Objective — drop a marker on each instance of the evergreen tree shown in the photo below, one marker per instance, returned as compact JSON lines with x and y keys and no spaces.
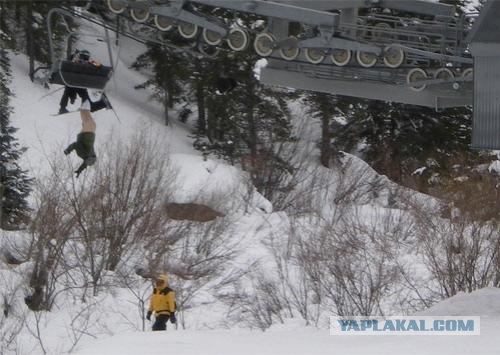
{"x":169,"y":71}
{"x":255,"y":119}
{"x":24,"y":24}
{"x":324,"y":107}
{"x":14,"y":182}
{"x":397,"y":139}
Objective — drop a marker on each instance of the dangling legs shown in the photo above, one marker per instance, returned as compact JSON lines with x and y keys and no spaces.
{"x":69,"y":94}
{"x":88,"y":123}
{"x":83,"y":93}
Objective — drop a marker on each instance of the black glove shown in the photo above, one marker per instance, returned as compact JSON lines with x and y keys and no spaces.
{"x":173,"y":320}
{"x":148,"y":315}
{"x":69,"y":149}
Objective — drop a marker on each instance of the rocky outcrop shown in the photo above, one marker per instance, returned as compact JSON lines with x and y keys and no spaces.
{"x":191,"y":212}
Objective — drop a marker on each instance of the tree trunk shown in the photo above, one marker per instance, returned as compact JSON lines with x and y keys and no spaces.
{"x":165,"y":108}
{"x":211,"y":118}
{"x":325,"y":146}
{"x":252,"y":140}
{"x":252,"y":126}
{"x":18,"y":12}
{"x":166,"y":100}
{"x":1,"y":205}
{"x":200,"y":100}
{"x":170,"y":87}
{"x":29,"y":38}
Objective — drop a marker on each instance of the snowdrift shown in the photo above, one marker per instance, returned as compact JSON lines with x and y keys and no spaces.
{"x":294,"y":338}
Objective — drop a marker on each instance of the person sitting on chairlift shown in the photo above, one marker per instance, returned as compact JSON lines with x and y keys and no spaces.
{"x":82,"y":57}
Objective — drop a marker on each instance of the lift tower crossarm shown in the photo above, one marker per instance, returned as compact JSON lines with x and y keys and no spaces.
{"x":186,"y":16}
{"x":278,"y":10}
{"x":415,"y":6}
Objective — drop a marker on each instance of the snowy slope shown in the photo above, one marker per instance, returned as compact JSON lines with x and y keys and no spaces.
{"x":44,"y":134}
{"x":484,"y":303}
{"x":293,"y":338}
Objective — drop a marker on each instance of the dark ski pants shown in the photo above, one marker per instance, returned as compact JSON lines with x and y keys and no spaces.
{"x":70,"y":93}
{"x":160,"y":322}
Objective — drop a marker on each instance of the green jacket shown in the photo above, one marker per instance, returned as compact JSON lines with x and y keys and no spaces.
{"x":84,"y":147}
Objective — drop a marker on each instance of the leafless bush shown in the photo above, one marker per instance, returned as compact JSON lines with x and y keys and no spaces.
{"x":49,"y":231}
{"x":337,"y":255}
{"x":461,"y":254}
{"x":80,"y":323}
{"x":198,"y":256}
{"x":315,"y":187}
{"x":140,"y":288}
{"x":12,"y":317}
{"x":119,"y":207}
{"x":352,"y":263}
{"x":258,"y":305}
{"x":297,"y":291}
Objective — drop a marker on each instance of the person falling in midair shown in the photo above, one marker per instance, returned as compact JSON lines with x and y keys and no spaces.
{"x":84,"y":145}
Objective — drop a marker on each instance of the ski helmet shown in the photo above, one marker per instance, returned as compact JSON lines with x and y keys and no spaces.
{"x":84,"y":55}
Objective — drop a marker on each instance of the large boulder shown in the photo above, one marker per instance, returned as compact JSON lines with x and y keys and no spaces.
{"x":191,"y":212}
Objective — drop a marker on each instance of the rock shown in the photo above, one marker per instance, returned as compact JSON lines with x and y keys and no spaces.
{"x":191,"y":212}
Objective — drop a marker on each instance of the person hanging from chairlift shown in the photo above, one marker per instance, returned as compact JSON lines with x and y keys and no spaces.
{"x":70,"y":93}
{"x":84,"y":145}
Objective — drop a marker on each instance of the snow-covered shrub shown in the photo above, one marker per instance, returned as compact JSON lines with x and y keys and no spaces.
{"x":462,"y":255}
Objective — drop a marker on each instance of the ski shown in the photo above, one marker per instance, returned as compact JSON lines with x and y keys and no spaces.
{"x":60,"y":114}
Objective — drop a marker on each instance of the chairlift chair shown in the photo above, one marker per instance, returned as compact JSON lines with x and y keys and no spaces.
{"x":81,"y":75}
{"x":66,"y":72}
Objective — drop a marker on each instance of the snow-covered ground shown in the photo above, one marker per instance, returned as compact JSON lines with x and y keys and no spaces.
{"x":294,"y":338}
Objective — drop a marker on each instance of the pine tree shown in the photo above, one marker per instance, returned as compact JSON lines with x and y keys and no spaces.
{"x":14,"y":182}
{"x":324,"y":107}
{"x":255,"y":119}
{"x":24,"y":24}
{"x":397,"y":139}
{"x":169,"y":71}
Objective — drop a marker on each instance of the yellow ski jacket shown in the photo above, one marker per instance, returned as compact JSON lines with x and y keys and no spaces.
{"x":162,"y":301}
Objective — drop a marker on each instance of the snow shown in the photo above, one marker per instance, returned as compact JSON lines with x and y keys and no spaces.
{"x":287,"y":340}
{"x":419,"y":171}
{"x":484,"y":302}
{"x":259,"y":65}
{"x":293,"y":338}
{"x":494,"y":167}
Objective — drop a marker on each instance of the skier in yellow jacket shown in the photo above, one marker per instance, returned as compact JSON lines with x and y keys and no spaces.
{"x":162,"y":303}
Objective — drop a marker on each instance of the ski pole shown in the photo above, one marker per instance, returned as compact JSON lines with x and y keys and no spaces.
{"x":50,"y":93}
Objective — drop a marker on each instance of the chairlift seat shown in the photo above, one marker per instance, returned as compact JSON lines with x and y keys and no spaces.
{"x":86,"y":75}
